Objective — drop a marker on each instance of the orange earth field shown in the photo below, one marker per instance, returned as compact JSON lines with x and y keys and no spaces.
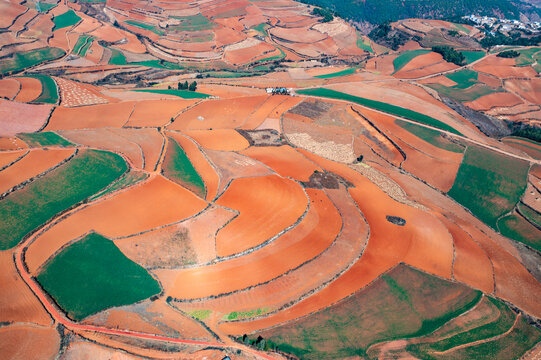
{"x":276,"y":203}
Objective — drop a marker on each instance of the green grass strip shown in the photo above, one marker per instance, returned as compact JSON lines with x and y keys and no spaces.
{"x":530,"y":214}
{"x":24,"y":210}
{"x":472,"y":56}
{"x":47,"y":138}
{"x":432,"y":137}
{"x":92,"y":275}
{"x":378,"y":105}
{"x":185,"y":94}
{"x":79,"y":44}
{"x":406,"y":57}
{"x":68,"y":18}
{"x":49,"y":90}
{"x":178,"y":167}
{"x":337,"y":74}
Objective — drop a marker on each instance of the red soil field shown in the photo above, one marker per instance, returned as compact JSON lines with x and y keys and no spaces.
{"x":230,"y":165}
{"x":219,"y":139}
{"x":298,"y":35}
{"x":499,"y":99}
{"x":313,"y":274}
{"x":90,"y":116}
{"x":36,"y":162}
{"x":267,"y":205}
{"x":490,"y":80}
{"x":79,"y":350}
{"x":8,"y":157}
{"x":155,"y":203}
{"x":423,"y":242}
{"x":12,"y":143}
{"x":431,"y":69}
{"x":105,"y":139}
{"x":528,"y":89}
{"x":9,"y":88}
{"x":218,"y":114}
{"x":226,"y":36}
{"x":108,"y":33}
{"x":248,"y":54}
{"x":30,"y":89}
{"x":10,"y":10}
{"x":29,"y":342}
{"x":18,"y":303}
{"x":60,"y":39}
{"x":442,"y":80}
{"x":157,"y":112}
{"x":121,"y":319}
{"x":201,"y":164}
{"x":468,"y":252}
{"x":19,"y":117}
{"x":284,"y":160}
{"x":504,"y":68}
{"x":381,"y":64}
{"x":310,"y":237}
{"x":150,"y":142}
{"x":269,"y":108}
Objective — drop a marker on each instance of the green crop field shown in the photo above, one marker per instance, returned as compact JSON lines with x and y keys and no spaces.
{"x":337,"y":74}
{"x":68,"y":18}
{"x":43,"y":7}
{"x":516,"y":227}
{"x":178,"y":167}
{"x":378,"y":105}
{"x":527,"y":56}
{"x":193,"y":23}
{"x":201,"y":314}
{"x":47,"y":138}
{"x":277,"y":57}
{"x":469,"y":94}
{"x":489,"y":184}
{"x":464,"y":78}
{"x":145,"y":26}
{"x":406,"y":57}
{"x":49,"y":90}
{"x":84,"y":42}
{"x":24,"y":60}
{"x":117,"y":57}
{"x":24,"y":210}
{"x":403,"y":303}
{"x":185,"y":94}
{"x":361,"y":44}
{"x":430,"y":136}
{"x":92,"y":275}
{"x":509,"y":347}
{"x":472,"y":56}
{"x":461,"y":27}
{"x":261,"y":28}
{"x":530,"y":214}
{"x":159,"y":64}
{"x":484,"y":330}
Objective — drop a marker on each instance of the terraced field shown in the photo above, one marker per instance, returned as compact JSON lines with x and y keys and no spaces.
{"x":315,"y":198}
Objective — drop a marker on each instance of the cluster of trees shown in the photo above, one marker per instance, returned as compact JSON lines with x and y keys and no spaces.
{"x":509,"y":54}
{"x":258,"y":343}
{"x":385,"y":35}
{"x":526,"y":131}
{"x":515,"y":38}
{"x":450,"y":55}
{"x":326,"y":14}
{"x":185,"y":86}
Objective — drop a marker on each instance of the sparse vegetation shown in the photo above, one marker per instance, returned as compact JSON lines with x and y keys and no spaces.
{"x":47,"y":138}
{"x":23,"y":60}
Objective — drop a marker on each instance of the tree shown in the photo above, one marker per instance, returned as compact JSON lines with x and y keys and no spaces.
{"x":193,"y":86}
{"x":450,"y":55}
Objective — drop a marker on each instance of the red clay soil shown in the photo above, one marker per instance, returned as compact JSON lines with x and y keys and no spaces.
{"x":315,"y":273}
{"x":200,"y":163}
{"x":108,"y":33}
{"x":19,"y":117}
{"x":431,"y":69}
{"x":504,"y":68}
{"x":149,"y":140}
{"x":157,"y":112}
{"x":490,"y":80}
{"x":105,"y":139}
{"x":10,"y":10}
{"x":60,"y":39}
{"x":524,"y":146}
{"x":422,"y":242}
{"x":17,"y":302}
{"x":381,"y":64}
{"x":36,"y":162}
{"x":468,"y":252}
{"x":269,"y":108}
{"x":284,"y":160}
{"x":80,"y":350}
{"x":298,"y":35}
{"x":499,"y":99}
{"x":420,"y":66}
{"x":29,"y":342}
{"x":267,"y":205}
{"x":248,"y":54}
{"x":310,"y":237}
{"x":441,"y":80}
{"x":528,"y":89}
{"x":155,"y":203}
{"x":230,"y":166}
{"x":122,"y":319}
{"x":219,"y":139}
{"x":8,"y":157}
{"x":9,"y":88}
{"x":12,"y":143}
{"x":218,"y":114}
{"x":226,"y":36}
{"x":90,"y":116}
